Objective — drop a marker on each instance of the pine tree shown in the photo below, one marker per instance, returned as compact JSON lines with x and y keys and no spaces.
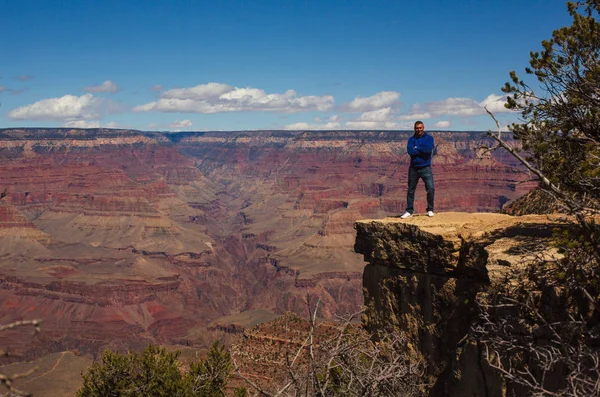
{"x":157,"y":373}
{"x":209,"y":377}
{"x":561,"y":120}
{"x":154,"y":372}
{"x":540,"y":330}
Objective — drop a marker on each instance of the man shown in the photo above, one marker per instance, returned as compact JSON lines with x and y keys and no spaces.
{"x":419,"y":147}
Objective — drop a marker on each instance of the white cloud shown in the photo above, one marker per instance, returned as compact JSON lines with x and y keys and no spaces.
{"x":376,"y":115}
{"x":415,"y":116}
{"x":332,"y":119}
{"x":461,"y":106}
{"x":495,"y":103}
{"x":306,"y":126}
{"x":107,"y":86}
{"x":218,"y":98}
{"x":177,"y":125}
{"x":450,"y":107}
{"x":372,"y":125}
{"x":181,"y":124}
{"x":2,"y":88}
{"x":113,"y":124}
{"x":378,"y":112}
{"x":157,"y":87}
{"x":82,"y":124}
{"x":442,"y":124}
{"x":199,"y":92}
{"x":65,"y":108}
{"x":92,"y":124}
{"x":24,"y":78}
{"x":380,"y":100}
{"x":380,"y":119}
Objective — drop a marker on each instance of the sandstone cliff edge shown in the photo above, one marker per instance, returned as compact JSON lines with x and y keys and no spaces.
{"x":425,"y":275}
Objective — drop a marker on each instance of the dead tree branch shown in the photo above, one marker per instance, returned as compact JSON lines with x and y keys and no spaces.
{"x":7,"y":381}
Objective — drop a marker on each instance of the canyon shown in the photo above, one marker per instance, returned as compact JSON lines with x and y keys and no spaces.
{"x":118,"y":238}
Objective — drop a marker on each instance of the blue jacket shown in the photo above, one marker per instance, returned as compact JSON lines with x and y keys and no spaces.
{"x":420,"y":150}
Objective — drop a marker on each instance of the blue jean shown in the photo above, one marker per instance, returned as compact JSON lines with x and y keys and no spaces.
{"x":413,"y":178}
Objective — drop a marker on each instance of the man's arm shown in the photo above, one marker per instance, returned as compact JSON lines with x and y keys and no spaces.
{"x":426,"y":145}
{"x":411,"y":147}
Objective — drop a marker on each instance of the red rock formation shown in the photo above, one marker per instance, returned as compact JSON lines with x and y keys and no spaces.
{"x":121,"y":234}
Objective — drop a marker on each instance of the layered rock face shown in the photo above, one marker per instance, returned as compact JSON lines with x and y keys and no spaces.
{"x":424,"y":275}
{"x":365,"y":171}
{"x":302,"y":192}
{"x":92,"y":239}
{"x":124,"y":237}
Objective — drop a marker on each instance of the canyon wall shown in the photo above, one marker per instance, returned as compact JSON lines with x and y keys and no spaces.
{"x":121,"y":237}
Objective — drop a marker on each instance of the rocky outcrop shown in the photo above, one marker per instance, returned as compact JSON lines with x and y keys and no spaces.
{"x":424,"y":276}
{"x":536,"y":201}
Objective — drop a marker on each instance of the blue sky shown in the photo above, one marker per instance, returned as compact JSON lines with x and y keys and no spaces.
{"x":247,"y":65}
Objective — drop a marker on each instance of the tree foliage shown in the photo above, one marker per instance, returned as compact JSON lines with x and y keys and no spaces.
{"x":541,"y":327}
{"x":155,"y":372}
{"x":561,"y":120}
{"x":209,"y":377}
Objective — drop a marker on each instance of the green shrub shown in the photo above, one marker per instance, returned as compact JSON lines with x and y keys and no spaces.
{"x":155,"y":372}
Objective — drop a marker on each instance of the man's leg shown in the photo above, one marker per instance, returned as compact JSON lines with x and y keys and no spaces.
{"x":427,"y":175}
{"x":413,"y":178}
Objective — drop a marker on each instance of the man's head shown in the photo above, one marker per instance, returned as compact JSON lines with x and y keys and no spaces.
{"x":419,"y":128}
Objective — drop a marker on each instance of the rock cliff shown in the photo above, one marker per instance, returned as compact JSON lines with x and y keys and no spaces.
{"x":153,"y":237}
{"x":424,"y":276}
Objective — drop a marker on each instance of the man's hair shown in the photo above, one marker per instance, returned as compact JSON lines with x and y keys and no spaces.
{"x":419,"y":122}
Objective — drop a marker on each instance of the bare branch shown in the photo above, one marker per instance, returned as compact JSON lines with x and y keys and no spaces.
{"x":6,"y":380}
{"x":15,"y":324}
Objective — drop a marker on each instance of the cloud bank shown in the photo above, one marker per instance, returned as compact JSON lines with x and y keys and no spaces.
{"x":380,"y":100}
{"x":177,"y":125}
{"x":82,"y":124}
{"x":380,"y":112}
{"x":333,"y":123}
{"x":92,"y":124}
{"x":219,"y":98}
{"x":65,"y":108}
{"x":181,"y":124}
{"x":442,"y":124}
{"x":460,"y":107}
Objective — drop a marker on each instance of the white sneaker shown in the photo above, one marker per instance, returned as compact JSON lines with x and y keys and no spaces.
{"x":406,"y":215}
{"x":430,"y":213}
